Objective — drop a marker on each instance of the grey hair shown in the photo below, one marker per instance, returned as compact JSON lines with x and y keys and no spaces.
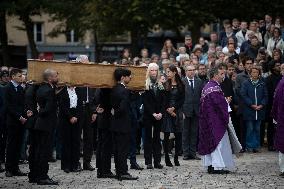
{"x":82,"y":58}
{"x":47,"y":73}
{"x":213,"y":71}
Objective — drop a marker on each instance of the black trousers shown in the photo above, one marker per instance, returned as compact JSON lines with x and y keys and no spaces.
{"x":88,"y":133}
{"x":178,"y":141}
{"x":152,"y":146}
{"x":3,"y":139}
{"x":190,"y":136}
{"x":14,"y":143}
{"x":41,"y":147}
{"x":32,"y":153}
{"x":104,"y":150}
{"x":121,"y":148}
{"x":70,"y":138}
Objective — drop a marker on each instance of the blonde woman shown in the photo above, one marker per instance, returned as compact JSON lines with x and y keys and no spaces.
{"x":153,"y":113}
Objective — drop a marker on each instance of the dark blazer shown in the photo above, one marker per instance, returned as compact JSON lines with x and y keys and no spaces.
{"x":121,"y":121}
{"x":153,"y":103}
{"x":1,"y":102}
{"x":102,"y":98}
{"x":31,"y":104}
{"x":64,"y":106}
{"x":14,"y":101}
{"x":192,"y":98}
{"x":46,"y":100}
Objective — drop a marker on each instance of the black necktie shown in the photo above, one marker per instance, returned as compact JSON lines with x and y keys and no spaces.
{"x":19,"y":88}
{"x":191,"y":84}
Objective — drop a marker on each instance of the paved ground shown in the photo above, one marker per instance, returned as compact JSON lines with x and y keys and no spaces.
{"x":253,"y":171}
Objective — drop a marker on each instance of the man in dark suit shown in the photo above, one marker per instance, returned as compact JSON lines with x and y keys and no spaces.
{"x":104,"y":148}
{"x":16,"y":118}
{"x":2,"y":130}
{"x":121,"y":123}
{"x":86,"y":99}
{"x":44,"y":127}
{"x":193,"y":88}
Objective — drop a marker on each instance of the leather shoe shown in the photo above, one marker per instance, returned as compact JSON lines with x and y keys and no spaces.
{"x":150,"y":166}
{"x":47,"y":181}
{"x":282,"y":175}
{"x":9,"y":174}
{"x":88,"y":166}
{"x":220,"y":172}
{"x":77,"y":169}
{"x":135,"y":166}
{"x":158,"y":166}
{"x":126,"y":177}
{"x":191,"y":158}
{"x":32,"y":181}
{"x":106,"y":175}
{"x":66,"y":170}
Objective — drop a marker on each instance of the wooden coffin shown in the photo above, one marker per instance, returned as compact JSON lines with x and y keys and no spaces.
{"x":92,"y":75}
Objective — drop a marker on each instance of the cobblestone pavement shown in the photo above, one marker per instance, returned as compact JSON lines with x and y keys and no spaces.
{"x":253,"y":171}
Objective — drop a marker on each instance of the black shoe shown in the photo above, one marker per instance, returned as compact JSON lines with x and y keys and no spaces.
{"x":168,"y":161}
{"x":126,"y":177}
{"x":158,"y":166}
{"x":271,"y":149}
{"x":106,"y":175}
{"x":255,"y":151}
{"x":77,"y":169}
{"x":32,"y":180}
{"x":135,"y":166}
{"x":176,"y":161}
{"x":9,"y":174}
{"x":88,"y":166}
{"x":220,"y":172}
{"x":242,"y":151}
{"x":191,"y":158}
{"x":150,"y":166}
{"x":186,"y":158}
{"x":210,"y":169}
{"x":282,"y":175}
{"x":67,"y":170}
{"x":19,"y":173}
{"x":47,"y":181}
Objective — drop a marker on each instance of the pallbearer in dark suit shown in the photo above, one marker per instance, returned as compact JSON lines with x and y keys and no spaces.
{"x":86,"y":97}
{"x":153,"y":101}
{"x":104,"y":149}
{"x":121,"y":123}
{"x":193,"y":88}
{"x":68,"y":119}
{"x":16,"y":118}
{"x":44,"y":127}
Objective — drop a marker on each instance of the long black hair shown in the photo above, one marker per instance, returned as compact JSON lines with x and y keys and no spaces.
{"x":180,"y":84}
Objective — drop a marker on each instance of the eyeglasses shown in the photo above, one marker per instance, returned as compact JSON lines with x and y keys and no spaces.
{"x":190,"y":70}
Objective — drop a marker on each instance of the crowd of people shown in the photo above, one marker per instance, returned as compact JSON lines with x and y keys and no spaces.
{"x":191,"y":96}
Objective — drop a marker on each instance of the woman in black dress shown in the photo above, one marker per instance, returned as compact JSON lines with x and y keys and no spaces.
{"x":173,"y":118}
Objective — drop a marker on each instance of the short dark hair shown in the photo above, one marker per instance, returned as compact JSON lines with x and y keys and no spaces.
{"x":15,"y":71}
{"x":121,"y":72}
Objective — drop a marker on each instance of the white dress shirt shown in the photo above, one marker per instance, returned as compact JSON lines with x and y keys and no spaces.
{"x":73,"y":97}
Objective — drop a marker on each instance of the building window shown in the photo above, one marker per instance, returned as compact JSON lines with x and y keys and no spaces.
{"x":71,"y":37}
{"x":38,"y":32}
